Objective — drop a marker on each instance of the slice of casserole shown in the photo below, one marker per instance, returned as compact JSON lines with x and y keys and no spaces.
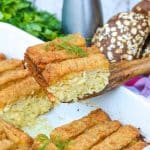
{"x":21,"y":98}
{"x":67,"y":69}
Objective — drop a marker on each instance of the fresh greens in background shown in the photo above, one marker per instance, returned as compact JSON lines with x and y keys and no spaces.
{"x":24,"y":15}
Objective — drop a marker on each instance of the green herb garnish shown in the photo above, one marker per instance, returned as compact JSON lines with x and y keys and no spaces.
{"x":64,"y":44}
{"x":61,"y":145}
{"x":43,"y":147}
{"x":72,"y":49}
{"x":24,"y":15}
{"x":42,"y":138}
{"x":44,"y":141}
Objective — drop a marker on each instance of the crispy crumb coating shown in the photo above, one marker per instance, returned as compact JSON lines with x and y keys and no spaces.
{"x":43,"y":54}
{"x":73,"y":129}
{"x":137,"y":146}
{"x":102,"y":134}
{"x":13,"y":93}
{"x":56,"y":71}
{"x":10,"y":64}
{"x":12,"y":138}
{"x":119,"y":139}
{"x":94,"y":135}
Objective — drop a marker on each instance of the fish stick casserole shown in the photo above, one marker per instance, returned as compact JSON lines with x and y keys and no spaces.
{"x":67,"y":69}
{"x":21,"y":98}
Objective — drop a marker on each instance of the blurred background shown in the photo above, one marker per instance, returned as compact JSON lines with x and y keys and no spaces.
{"x":109,"y":7}
{"x":43,"y":18}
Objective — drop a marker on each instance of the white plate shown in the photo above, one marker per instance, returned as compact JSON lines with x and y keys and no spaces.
{"x":121,"y":104}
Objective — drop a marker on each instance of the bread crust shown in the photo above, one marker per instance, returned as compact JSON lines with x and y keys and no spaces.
{"x":142,"y":7}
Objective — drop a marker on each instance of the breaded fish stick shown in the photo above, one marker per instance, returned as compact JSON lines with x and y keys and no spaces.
{"x":14,"y":137}
{"x":13,"y":75}
{"x":19,"y":90}
{"x":46,"y":53}
{"x":119,"y":139}
{"x":137,"y":146}
{"x":95,"y":134}
{"x":10,"y":64}
{"x":73,"y":129}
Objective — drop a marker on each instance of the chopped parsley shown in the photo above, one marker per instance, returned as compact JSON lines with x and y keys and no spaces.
{"x":64,"y":44}
{"x":24,"y":15}
{"x":61,"y":145}
{"x":72,"y":49}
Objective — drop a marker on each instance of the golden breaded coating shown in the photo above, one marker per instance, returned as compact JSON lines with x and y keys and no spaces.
{"x":11,"y":138}
{"x":10,"y":64}
{"x":17,"y":91}
{"x":92,"y":136}
{"x":73,"y":129}
{"x":2,"y":57}
{"x":119,"y":139}
{"x":56,"y":71}
{"x":13,"y":75}
{"x":97,"y":132}
{"x":137,"y":146}
{"x":42,"y":54}
{"x":41,"y":58}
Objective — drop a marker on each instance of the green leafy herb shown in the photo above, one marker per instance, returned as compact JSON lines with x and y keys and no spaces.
{"x":72,"y":49}
{"x":44,"y":141}
{"x":24,"y":15}
{"x":43,"y":147}
{"x":42,"y":138}
{"x":61,"y":145}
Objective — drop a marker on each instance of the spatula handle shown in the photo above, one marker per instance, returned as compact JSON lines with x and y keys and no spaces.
{"x":125,"y":70}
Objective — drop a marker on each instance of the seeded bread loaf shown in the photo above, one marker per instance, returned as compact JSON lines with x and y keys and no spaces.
{"x":123,"y":37}
{"x":146,"y":48}
{"x":143,"y":7}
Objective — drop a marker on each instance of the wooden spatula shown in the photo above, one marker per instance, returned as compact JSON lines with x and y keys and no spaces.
{"x":123,"y":71}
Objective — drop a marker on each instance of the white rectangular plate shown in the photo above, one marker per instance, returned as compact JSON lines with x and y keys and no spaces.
{"x":121,"y":104}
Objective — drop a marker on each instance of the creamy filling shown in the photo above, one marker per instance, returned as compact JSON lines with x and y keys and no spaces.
{"x":79,"y":85}
{"x":25,"y":111}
